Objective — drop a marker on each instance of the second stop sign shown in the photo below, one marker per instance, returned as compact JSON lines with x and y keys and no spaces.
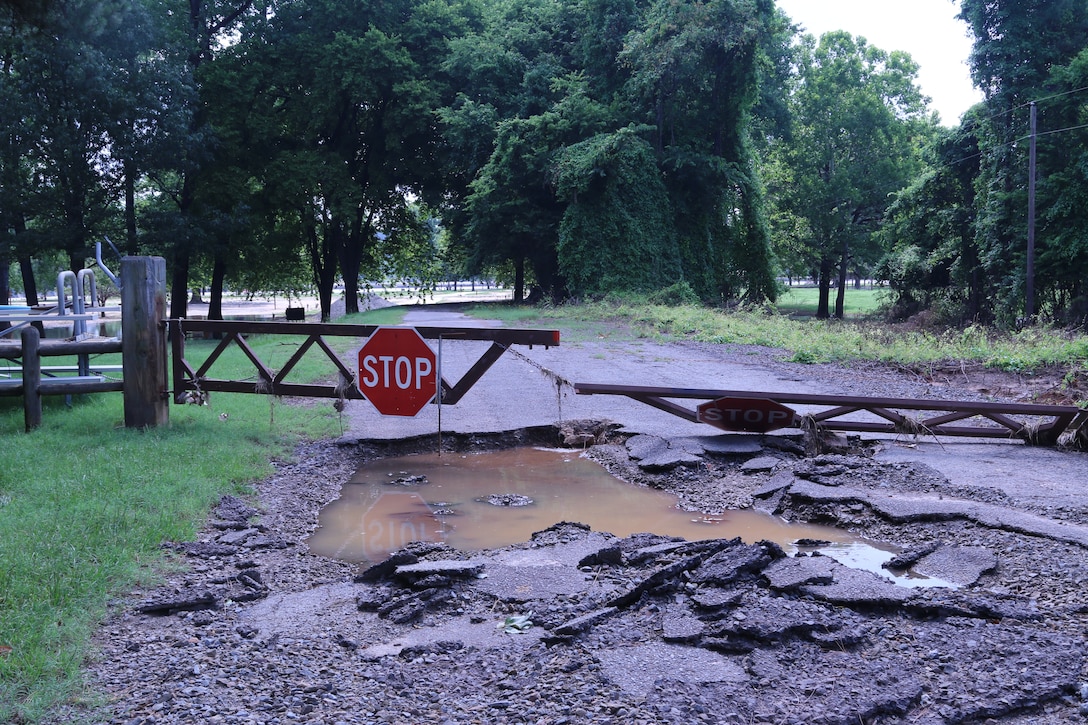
{"x":397,"y":371}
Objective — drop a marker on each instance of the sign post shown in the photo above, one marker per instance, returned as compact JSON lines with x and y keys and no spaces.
{"x":751,"y":415}
{"x":397,"y":371}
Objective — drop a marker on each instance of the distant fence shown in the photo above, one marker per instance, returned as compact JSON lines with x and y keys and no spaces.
{"x":142,"y":345}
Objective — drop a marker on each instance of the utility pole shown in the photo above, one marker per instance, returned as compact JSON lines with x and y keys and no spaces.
{"x":1029,"y":291}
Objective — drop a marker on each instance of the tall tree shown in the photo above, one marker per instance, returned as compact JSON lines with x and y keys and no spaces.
{"x":594,"y":108}
{"x":340,"y":97}
{"x":695,"y":74}
{"x":1061,"y":263}
{"x":208,"y":26}
{"x":69,"y":76}
{"x":857,"y":118}
{"x":1016,"y":44}
{"x":503,"y":129}
{"x":617,"y":230}
{"x":513,"y":213}
{"x":931,"y":260}
{"x":15,"y":149}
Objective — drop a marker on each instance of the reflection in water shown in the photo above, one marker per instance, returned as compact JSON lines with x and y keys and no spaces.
{"x":863,"y":555}
{"x":381,"y":509}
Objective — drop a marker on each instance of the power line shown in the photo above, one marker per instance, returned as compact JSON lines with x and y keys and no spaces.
{"x":1015,"y":141}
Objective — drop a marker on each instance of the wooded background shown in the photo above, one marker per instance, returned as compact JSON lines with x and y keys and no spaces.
{"x":574,"y":147}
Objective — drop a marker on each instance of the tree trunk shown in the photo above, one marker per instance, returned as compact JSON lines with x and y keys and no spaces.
{"x":823,"y":308}
{"x":840,"y":296}
{"x":350,"y":255}
{"x":323,"y":262}
{"x":131,"y":244}
{"x":30,"y":285}
{"x":5,"y":277}
{"x":179,"y":283}
{"x":219,"y":275}
{"x":5,"y":282}
{"x":519,"y":280}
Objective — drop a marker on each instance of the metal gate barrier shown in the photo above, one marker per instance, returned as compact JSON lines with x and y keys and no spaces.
{"x":748,"y":410}
{"x":190,"y":384}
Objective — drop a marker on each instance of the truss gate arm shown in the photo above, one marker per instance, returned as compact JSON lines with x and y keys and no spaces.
{"x":191,"y":381}
{"x":1032,"y":423}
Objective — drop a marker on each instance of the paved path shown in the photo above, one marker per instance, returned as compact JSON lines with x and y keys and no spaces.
{"x":521,"y":390}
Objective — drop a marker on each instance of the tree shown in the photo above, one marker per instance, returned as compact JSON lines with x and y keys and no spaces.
{"x":15,"y":149}
{"x":206,"y":26}
{"x":502,"y":131}
{"x":512,"y":210}
{"x":1061,"y":264}
{"x":340,"y":98}
{"x":858,"y":118}
{"x":617,"y":231}
{"x":65,"y":77}
{"x":695,"y":75}
{"x":657,"y":93}
{"x":1016,"y":45}
{"x":932,"y":261}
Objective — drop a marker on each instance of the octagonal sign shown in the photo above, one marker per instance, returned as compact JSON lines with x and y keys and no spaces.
{"x":397,"y":371}
{"x":751,"y":415}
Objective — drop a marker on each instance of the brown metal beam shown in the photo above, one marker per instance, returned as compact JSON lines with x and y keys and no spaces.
{"x":1059,"y":417}
{"x":815,"y":399}
{"x":451,"y":395}
{"x":501,"y":335}
{"x":232,"y":332}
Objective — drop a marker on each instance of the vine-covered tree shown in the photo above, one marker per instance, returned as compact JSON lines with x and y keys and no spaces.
{"x":620,"y":154}
{"x":1061,"y":264}
{"x":617,"y":231}
{"x":695,"y":78}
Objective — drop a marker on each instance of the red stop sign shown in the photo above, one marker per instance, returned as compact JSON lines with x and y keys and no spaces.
{"x":753,"y":415}
{"x":397,"y":371}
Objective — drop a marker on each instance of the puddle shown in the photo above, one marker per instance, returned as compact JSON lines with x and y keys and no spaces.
{"x":392,"y":502}
{"x":871,"y":557}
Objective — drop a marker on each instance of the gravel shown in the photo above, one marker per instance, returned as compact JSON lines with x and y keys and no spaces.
{"x":580,"y":626}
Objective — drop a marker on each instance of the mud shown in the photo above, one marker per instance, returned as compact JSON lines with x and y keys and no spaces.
{"x":577,"y":625}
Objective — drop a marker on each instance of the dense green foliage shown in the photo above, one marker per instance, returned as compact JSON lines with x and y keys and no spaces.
{"x":960,"y":235}
{"x":577,"y":148}
{"x":287,"y":143}
{"x":857,"y":122}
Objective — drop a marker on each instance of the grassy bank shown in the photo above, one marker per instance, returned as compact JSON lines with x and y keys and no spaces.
{"x":811,"y":341}
{"x":85,"y":505}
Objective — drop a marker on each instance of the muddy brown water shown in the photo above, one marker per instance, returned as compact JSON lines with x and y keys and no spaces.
{"x":392,"y":502}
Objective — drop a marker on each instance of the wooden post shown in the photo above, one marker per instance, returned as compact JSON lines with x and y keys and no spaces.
{"x":143,"y":341}
{"x":32,"y":378}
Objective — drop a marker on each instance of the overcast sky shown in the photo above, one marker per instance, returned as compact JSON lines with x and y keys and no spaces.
{"x":927,"y":29}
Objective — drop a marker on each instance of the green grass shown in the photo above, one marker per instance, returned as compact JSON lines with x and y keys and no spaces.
{"x":809,"y":341}
{"x":577,"y":323}
{"x":383,"y":316}
{"x":86,"y":503}
{"x":804,"y":301}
